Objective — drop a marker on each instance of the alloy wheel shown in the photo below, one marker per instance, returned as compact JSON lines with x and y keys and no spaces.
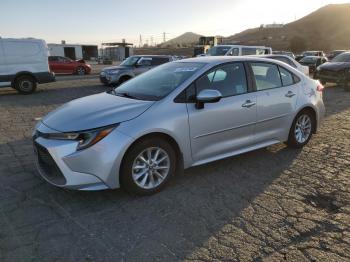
{"x":81,"y":71}
{"x":151,"y":167}
{"x":302,"y":129}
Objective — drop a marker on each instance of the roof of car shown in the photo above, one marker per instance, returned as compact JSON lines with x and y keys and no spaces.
{"x":218,"y":59}
{"x":275,"y":55}
{"x":152,"y":56}
{"x":228,"y":45}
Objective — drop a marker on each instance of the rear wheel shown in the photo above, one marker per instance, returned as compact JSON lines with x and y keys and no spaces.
{"x":301,"y":130}
{"x":25,"y":84}
{"x":148,"y":166}
{"x":81,"y":71}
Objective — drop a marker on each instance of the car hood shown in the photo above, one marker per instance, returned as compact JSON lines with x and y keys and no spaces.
{"x":95,"y":111}
{"x":119,"y":67}
{"x":335,"y":66}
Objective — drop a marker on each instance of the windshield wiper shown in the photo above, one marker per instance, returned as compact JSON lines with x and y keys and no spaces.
{"x":124,"y":94}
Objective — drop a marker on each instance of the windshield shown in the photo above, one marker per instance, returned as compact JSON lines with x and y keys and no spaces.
{"x":309,"y":59}
{"x":345,"y":57}
{"x":309,"y":53}
{"x":218,"y":50}
{"x":158,"y":82}
{"x":130,"y":61}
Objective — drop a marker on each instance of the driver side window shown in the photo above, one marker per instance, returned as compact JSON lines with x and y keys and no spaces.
{"x":145,"y":62}
{"x":229,"y":80}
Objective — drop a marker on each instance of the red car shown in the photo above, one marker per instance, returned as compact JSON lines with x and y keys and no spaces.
{"x":64,"y":65}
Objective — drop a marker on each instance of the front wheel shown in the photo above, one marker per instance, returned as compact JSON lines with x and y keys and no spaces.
{"x":81,"y":71}
{"x":148,"y":166}
{"x":301,"y":130}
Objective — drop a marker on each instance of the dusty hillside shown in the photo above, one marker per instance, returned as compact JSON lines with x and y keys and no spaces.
{"x":327,"y":28}
{"x":185,"y":39}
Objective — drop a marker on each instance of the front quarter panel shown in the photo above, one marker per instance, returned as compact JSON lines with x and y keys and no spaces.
{"x":162,"y":117}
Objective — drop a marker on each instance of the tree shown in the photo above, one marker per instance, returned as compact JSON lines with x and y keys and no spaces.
{"x":297,"y":44}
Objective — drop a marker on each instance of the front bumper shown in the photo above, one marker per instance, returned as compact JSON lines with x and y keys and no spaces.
{"x":45,"y":77}
{"x":94,"y":168}
{"x":108,"y":79}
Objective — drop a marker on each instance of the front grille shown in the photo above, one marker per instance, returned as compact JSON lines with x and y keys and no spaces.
{"x":48,"y":166}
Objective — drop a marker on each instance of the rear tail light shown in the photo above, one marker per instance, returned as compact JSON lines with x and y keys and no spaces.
{"x":320,"y":87}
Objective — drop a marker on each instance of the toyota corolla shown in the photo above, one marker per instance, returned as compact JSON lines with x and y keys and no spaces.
{"x":178,"y":115}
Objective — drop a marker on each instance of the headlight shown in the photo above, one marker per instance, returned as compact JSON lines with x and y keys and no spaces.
{"x":85,"y":138}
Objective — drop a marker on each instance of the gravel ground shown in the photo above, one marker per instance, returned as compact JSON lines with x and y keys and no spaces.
{"x":273,"y":204}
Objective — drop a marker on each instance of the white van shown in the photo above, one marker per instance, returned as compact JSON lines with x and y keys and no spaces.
{"x":24,"y":64}
{"x":238,"y":50}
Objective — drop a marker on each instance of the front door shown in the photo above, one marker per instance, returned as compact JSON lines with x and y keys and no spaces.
{"x":228,"y":125}
{"x":277,"y":92}
{"x":143,"y":65}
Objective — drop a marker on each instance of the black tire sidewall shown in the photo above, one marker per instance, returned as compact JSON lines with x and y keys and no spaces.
{"x":126,"y":179}
{"x":292,"y":142}
{"x":18,"y":82}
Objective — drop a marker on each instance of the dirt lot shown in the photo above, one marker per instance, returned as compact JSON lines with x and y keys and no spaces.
{"x":273,"y":204}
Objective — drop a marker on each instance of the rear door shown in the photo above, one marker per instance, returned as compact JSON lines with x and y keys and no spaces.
{"x":228,"y":125}
{"x":277,"y":91}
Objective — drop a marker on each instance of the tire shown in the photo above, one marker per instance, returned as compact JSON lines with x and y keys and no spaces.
{"x":145,"y":178}
{"x":81,"y":71}
{"x":25,"y":84}
{"x":124,"y":79}
{"x":300,"y":134}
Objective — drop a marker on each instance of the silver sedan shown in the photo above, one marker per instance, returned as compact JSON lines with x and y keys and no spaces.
{"x":178,"y":115}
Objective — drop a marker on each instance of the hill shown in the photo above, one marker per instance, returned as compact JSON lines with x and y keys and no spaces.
{"x":186,"y":39}
{"x":326,"y":29}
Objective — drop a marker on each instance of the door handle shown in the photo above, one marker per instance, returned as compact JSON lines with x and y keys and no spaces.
{"x":248,"y":104}
{"x":290,"y":94}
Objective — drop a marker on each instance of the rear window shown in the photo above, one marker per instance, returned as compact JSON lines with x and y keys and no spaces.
{"x":267,"y":76}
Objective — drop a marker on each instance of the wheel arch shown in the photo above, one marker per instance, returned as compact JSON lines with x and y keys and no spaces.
{"x":312,"y":110}
{"x":20,"y":74}
{"x":160,"y":135}
{"x":128,"y":76}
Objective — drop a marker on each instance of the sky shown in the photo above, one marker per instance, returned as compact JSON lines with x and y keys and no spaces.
{"x":97,"y":21}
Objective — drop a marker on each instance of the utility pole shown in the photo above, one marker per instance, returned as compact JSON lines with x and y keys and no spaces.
{"x":164,"y":36}
{"x":151,"y":40}
{"x":140,"y":43}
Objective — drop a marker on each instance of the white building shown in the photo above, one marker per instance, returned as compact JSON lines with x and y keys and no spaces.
{"x":74,"y":51}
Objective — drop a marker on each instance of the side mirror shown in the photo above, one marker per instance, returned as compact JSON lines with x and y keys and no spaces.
{"x":207,"y":96}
